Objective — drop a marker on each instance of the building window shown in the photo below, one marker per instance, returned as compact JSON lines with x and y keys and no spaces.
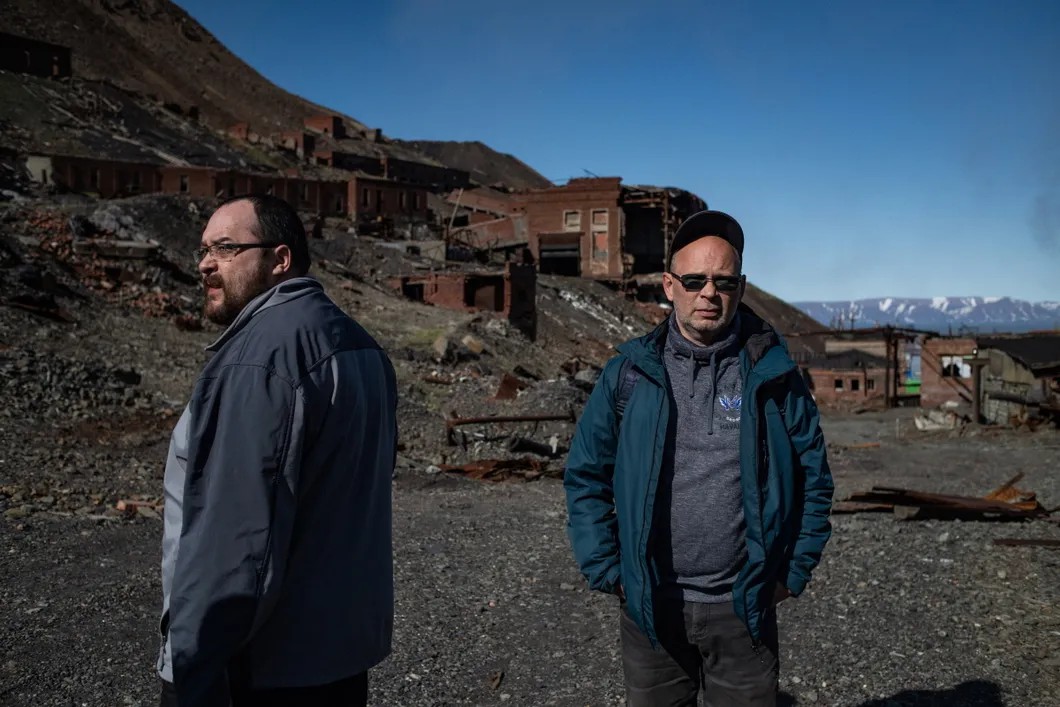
{"x":955,"y":367}
{"x":231,"y":186}
{"x":378,"y":199}
{"x":600,"y":219}
{"x":855,"y":385}
{"x":403,"y":199}
{"x":365,"y":198}
{"x":136,"y":181}
{"x":572,"y":220}
{"x":305,"y":191}
{"x":95,"y":179}
{"x":870,"y":384}
{"x":183,"y":184}
{"x":338,"y":204}
{"x":839,"y":384}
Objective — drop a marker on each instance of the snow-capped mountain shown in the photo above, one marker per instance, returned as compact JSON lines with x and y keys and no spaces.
{"x":942,"y":314}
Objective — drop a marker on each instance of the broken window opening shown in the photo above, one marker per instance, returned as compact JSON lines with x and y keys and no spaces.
{"x":855,"y":385}
{"x":955,"y":367}
{"x":183,"y":184}
{"x":572,"y":220}
{"x":365,"y":198}
{"x":870,"y":384}
{"x":839,"y":384}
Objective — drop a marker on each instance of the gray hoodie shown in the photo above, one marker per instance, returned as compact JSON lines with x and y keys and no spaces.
{"x":276,"y":556}
{"x":698,"y":532}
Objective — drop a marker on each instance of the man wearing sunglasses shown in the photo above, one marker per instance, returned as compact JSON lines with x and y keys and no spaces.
{"x":277,"y":574}
{"x":698,"y":489}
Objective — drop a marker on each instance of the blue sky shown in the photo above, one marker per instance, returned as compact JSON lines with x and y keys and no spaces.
{"x":868,"y":148}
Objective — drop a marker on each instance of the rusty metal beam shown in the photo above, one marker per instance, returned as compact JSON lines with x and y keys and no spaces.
{"x":454,"y":421}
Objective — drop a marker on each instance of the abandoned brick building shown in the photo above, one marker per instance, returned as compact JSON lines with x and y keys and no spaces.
{"x":363,"y":198}
{"x":1001,"y":378}
{"x":847,"y":377}
{"x":591,"y":227}
{"x":28,"y":56}
{"x":512,"y":293}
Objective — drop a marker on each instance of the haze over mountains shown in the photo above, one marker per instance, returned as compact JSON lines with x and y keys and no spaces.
{"x":942,"y":314}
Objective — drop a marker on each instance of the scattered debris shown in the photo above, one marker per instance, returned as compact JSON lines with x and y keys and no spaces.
{"x":1006,"y":502}
{"x":526,"y":469}
{"x":518,"y":444}
{"x":455,"y":421}
{"x":933,"y":420}
{"x":1028,"y":542}
{"x":509,"y":388}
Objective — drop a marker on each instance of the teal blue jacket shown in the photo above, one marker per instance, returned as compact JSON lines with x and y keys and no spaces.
{"x":612,"y":475}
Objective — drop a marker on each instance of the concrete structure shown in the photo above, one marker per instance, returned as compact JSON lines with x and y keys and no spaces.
{"x":511,"y":293}
{"x":1020,"y":377}
{"x":28,"y":56}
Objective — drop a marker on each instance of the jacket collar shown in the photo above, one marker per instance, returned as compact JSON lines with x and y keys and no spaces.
{"x":757,"y":342}
{"x":276,"y":295}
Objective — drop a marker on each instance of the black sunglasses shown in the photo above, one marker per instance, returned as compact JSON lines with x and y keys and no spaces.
{"x":722,"y":283}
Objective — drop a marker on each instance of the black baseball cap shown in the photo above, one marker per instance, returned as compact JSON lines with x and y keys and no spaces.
{"x":707,"y":223}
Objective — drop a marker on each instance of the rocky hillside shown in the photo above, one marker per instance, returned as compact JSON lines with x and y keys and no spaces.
{"x":484,"y":164}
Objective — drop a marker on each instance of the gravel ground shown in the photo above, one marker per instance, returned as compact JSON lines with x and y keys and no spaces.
{"x":491,"y":609}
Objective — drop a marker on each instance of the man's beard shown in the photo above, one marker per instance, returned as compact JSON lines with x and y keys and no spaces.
{"x":235,"y":295}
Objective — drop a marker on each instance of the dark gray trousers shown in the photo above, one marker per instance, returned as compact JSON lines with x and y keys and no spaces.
{"x":703,"y":648}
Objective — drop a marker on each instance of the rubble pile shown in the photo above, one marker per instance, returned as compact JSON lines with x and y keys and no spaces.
{"x":51,"y":387}
{"x":68,"y":258}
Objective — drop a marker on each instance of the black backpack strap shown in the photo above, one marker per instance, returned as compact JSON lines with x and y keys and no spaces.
{"x":627,"y":377}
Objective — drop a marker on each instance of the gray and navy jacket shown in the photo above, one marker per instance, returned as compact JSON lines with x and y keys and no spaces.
{"x":277,"y":565}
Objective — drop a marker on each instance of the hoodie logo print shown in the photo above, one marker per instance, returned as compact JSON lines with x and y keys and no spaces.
{"x":731,"y":404}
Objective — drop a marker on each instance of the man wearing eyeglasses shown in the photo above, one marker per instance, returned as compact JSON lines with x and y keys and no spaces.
{"x":698,"y":489}
{"x":277,"y":574}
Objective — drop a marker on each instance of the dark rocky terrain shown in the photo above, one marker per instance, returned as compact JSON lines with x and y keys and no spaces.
{"x":491,"y":609}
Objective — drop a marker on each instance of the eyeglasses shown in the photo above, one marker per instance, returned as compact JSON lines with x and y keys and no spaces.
{"x":226,"y":251}
{"x":722,"y":283}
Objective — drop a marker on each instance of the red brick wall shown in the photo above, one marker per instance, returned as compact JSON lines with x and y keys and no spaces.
{"x":397,"y":199}
{"x":199,"y":181}
{"x":330,"y":124}
{"x":824,"y":389}
{"x":106,"y":178}
{"x":545,"y":208}
{"x":936,"y":389}
{"x":491,"y":203}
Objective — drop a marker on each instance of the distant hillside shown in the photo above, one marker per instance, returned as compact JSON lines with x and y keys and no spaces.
{"x":486,"y":165}
{"x":154,"y":47}
{"x":938,"y":313}
{"x":786,"y":319}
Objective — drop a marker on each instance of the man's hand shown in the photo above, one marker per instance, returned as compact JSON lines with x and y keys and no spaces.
{"x":780,"y":593}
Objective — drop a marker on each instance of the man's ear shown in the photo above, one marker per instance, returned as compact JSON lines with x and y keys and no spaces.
{"x":668,"y":286}
{"x":284,"y":260}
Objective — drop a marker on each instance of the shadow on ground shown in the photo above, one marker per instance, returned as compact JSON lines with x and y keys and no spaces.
{"x":974,"y":693}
